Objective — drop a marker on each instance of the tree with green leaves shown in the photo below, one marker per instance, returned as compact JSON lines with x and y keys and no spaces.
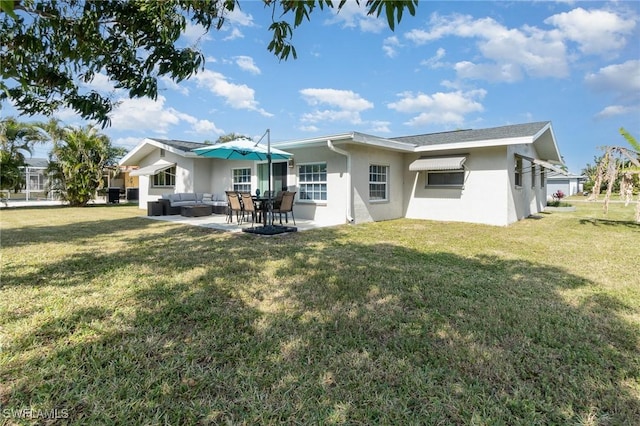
{"x":16,"y":140}
{"x":78,"y":163}
{"x":49,"y":47}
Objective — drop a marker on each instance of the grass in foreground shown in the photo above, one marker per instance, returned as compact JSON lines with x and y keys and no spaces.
{"x":111,"y":318}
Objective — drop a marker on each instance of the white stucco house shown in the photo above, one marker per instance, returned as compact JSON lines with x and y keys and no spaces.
{"x":493,"y":176}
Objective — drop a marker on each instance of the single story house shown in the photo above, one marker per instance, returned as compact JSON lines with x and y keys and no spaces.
{"x":569,"y":184}
{"x":492,"y":176}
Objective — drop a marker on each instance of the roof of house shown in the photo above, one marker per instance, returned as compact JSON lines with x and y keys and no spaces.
{"x":538,"y":133}
{"x":470,"y":135}
{"x":41,"y":163}
{"x":180,"y":145}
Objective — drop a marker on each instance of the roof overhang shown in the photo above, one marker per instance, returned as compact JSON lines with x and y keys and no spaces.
{"x":438,"y":163}
{"x":549,"y":166}
{"x":344,"y":138}
{"x":153,"y":169}
{"x":148,"y":146}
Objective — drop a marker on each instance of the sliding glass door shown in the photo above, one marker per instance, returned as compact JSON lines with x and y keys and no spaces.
{"x":278,"y":176}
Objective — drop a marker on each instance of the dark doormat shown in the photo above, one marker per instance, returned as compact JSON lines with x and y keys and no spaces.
{"x":270,"y":230}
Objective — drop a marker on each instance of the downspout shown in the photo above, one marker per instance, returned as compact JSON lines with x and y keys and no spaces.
{"x":349,"y":185}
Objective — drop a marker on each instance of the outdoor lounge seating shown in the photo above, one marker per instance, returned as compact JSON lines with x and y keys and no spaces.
{"x":286,"y":206}
{"x":172,"y":203}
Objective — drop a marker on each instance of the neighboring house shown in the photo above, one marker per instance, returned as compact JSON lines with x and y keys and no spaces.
{"x":493,"y":176}
{"x":569,"y":184}
{"x":35,"y":178}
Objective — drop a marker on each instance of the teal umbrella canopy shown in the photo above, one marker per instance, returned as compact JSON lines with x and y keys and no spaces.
{"x":242,"y":149}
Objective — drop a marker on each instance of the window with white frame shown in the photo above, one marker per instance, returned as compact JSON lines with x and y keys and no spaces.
{"x":518,"y":171}
{"x":452,"y":178}
{"x":378,"y":182}
{"x":165,"y":178}
{"x":312,"y":182}
{"x":542,"y":176}
{"x":242,"y":180}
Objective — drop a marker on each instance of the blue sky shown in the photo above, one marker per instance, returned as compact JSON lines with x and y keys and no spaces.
{"x":454,"y":65}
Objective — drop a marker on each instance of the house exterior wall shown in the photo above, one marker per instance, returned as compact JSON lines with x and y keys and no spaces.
{"x":525,"y":199}
{"x":364,"y":209}
{"x":333,"y":211}
{"x":482,"y":199}
{"x":184,"y":177}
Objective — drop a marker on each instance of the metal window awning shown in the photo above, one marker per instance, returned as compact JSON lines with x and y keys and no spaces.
{"x":153,"y":169}
{"x":550,"y":166}
{"x":437,"y":163}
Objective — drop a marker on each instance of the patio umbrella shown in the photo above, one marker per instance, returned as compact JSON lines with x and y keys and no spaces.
{"x":242,"y":149}
{"x":246,"y":149}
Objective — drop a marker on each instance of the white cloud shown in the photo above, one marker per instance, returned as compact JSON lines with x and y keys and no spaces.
{"x":146,"y":115}
{"x":439,"y":108}
{"x":309,"y":128}
{"x":100,"y":83}
{"x":195,"y":33}
{"x":235,"y":34}
{"x":595,"y":31}
{"x":615,"y":110}
{"x":128,"y":142}
{"x":205,"y":127}
{"x":246,"y":63}
{"x":434,"y":61}
{"x":511,"y":52}
{"x":623,"y":79}
{"x":238,"y":96}
{"x":389,"y":46}
{"x":380,"y":127}
{"x":347,"y":105}
{"x":172,"y":85}
{"x":353,"y":15}
{"x":622,"y":83}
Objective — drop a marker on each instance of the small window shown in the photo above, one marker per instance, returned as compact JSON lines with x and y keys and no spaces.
{"x":165,"y":178}
{"x":542,"y":177}
{"x":378,"y":182}
{"x":518,"y":172}
{"x":242,"y":180}
{"x":162,"y":153}
{"x":448,"y":178}
{"x":312,"y":180}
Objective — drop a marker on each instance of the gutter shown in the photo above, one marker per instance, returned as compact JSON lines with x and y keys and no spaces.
{"x":349,"y":185}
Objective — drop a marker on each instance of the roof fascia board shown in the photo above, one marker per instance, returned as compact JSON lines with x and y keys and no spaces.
{"x":354,"y":137}
{"x":319,"y":141}
{"x":475,"y":144}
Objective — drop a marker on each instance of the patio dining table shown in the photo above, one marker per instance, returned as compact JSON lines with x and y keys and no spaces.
{"x":262,"y":206}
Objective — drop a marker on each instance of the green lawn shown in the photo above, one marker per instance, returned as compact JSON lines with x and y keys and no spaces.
{"x":107,"y":317}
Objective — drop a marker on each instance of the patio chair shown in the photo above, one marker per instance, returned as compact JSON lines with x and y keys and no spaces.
{"x":286,"y":206}
{"x":234,"y":206}
{"x":249,"y":206}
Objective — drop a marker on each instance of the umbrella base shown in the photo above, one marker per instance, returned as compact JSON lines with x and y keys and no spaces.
{"x":270,"y":230}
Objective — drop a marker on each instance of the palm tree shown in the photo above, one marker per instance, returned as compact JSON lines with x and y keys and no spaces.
{"x":77,"y":163}
{"x":619,"y":161}
{"x":16,"y":139}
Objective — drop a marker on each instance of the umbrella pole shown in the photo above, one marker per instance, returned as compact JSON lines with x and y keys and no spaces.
{"x":269,"y":204}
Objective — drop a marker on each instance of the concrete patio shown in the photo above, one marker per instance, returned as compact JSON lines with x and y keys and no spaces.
{"x":219,"y":221}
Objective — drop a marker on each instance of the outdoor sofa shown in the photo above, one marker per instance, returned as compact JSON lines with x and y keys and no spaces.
{"x":172,"y":203}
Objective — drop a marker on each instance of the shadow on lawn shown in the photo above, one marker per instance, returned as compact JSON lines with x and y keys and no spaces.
{"x":609,"y":222}
{"x":315,"y":328}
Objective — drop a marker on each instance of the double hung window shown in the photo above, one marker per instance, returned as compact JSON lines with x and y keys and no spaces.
{"x":313,"y":182}
{"x":378,"y":182}
{"x":242,"y":180}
